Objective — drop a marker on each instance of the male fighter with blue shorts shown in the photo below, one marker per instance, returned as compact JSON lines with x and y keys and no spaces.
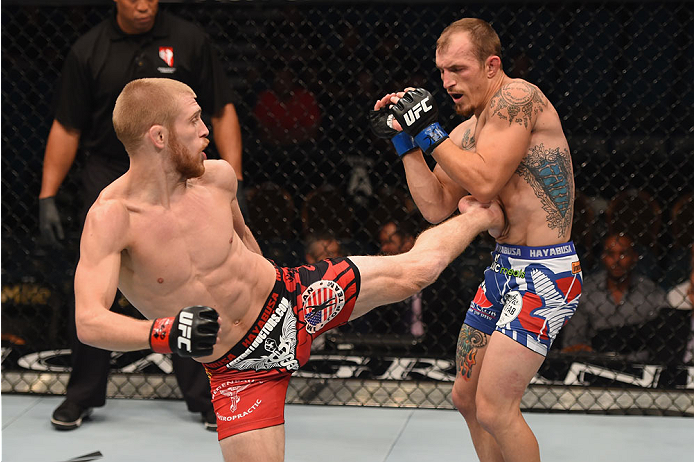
{"x":510,"y":150}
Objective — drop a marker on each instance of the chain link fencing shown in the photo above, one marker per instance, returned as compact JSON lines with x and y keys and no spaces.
{"x":617,"y":73}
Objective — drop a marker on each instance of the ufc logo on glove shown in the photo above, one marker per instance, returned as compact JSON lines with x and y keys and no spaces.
{"x":185,"y":322}
{"x":413,"y":114}
{"x":193,"y":332}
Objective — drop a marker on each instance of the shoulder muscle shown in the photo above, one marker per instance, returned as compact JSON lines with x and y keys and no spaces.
{"x":219,"y":173}
{"x":105,"y":228}
{"x":517,"y":103}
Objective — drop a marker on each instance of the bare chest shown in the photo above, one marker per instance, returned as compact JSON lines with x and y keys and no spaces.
{"x":176,"y":251}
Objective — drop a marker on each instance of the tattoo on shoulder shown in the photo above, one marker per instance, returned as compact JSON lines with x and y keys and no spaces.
{"x":548,"y":171}
{"x":468,"y":141}
{"x":470,"y":341}
{"x":518,"y":102}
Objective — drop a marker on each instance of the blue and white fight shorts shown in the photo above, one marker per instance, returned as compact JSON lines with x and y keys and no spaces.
{"x":528,"y":294}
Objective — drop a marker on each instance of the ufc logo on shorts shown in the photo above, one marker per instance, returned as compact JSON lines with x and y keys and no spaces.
{"x":185,"y":321}
{"x":412,"y":115}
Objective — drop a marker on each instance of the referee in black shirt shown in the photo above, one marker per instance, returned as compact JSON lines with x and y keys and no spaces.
{"x":137,"y":41}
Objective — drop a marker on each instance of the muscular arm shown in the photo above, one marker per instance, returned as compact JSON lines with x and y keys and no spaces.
{"x":434,"y":192}
{"x":96,"y":281}
{"x":61,"y":149}
{"x":227,"y":137}
{"x":501,"y":143}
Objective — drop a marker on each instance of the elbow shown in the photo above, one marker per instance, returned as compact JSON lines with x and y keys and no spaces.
{"x":433,"y":217}
{"x":435,"y":213}
{"x":84,"y":335}
{"x":86,"y":332}
{"x":484,"y":193}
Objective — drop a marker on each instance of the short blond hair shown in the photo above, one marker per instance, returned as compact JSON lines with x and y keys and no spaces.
{"x":144,"y":103}
{"x":484,"y":38}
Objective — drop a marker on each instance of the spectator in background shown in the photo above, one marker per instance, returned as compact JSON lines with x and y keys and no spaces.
{"x":287,"y":113}
{"x":321,"y":247}
{"x":681,"y":297}
{"x":613,"y":297}
{"x":137,"y":41}
{"x":396,"y":238}
{"x":405,"y":318}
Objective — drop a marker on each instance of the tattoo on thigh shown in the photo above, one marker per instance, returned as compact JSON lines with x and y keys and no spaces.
{"x":470,"y":341}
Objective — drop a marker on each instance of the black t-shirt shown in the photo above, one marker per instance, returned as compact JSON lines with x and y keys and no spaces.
{"x":105,"y":59}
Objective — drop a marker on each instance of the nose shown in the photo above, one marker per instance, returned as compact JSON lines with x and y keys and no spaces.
{"x":447,"y":79}
{"x":142,"y":6}
{"x":204,"y":131}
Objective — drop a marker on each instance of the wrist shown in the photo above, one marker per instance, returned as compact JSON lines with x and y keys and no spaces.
{"x":159,"y":335}
{"x":429,"y":138}
{"x":403,"y":143}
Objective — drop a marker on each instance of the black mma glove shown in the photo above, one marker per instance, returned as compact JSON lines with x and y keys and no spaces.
{"x":49,"y":222}
{"x":417,"y":114}
{"x":193,"y":332}
{"x":381,"y":122}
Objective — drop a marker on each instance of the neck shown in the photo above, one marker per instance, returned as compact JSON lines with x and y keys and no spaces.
{"x":498,"y":81}
{"x":153,"y":180}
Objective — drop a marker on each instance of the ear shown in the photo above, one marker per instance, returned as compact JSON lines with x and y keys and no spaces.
{"x":158,"y":136}
{"x":492,"y":66}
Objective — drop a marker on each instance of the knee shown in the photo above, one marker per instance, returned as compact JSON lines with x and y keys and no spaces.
{"x":464,"y":399}
{"x":492,"y":416}
{"x":485,"y":415}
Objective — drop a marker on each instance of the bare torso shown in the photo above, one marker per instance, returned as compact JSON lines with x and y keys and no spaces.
{"x":189,"y":254}
{"x":538,"y":198}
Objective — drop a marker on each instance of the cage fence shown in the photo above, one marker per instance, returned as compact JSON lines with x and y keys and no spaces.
{"x":617,"y":73}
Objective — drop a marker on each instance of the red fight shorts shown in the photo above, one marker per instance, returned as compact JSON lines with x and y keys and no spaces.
{"x":249,"y":383}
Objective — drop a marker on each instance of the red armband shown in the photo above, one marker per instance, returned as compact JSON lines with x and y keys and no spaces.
{"x":159,"y":335}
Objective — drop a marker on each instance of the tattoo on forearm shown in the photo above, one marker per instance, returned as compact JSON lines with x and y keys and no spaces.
{"x":548,"y":171}
{"x":517,"y":102}
{"x":470,"y":341}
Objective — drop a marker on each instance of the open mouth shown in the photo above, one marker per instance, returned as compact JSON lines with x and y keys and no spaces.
{"x":456,"y":96}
